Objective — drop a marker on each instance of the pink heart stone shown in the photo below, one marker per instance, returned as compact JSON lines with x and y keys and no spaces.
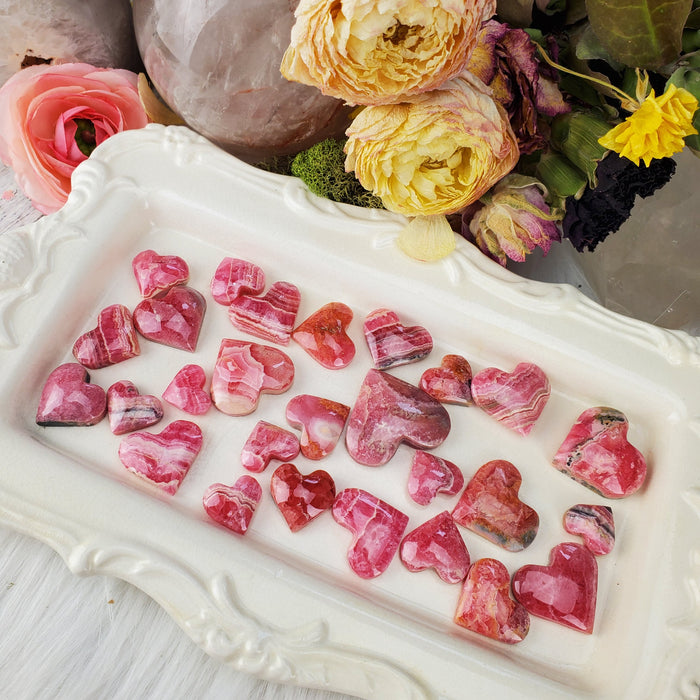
{"x":377,"y":529}
{"x":164,"y":458}
{"x":173,"y":319}
{"x":113,"y":340}
{"x":270,"y":317}
{"x":234,"y":277}
{"x":437,"y":544}
{"x":563,"y":592}
{"x":233,"y":506}
{"x":485,"y":605}
{"x":490,"y":507}
{"x":186,"y":391}
{"x":389,"y":411}
{"x":245,"y":370}
{"x":301,"y":497}
{"x":324,"y":336}
{"x":128,"y":410}
{"x":431,"y":475}
{"x":68,"y":398}
{"x":156,"y":273}
{"x":597,"y":454}
{"x":450,"y":382}
{"x":321,"y":422}
{"x":595,"y":524}
{"x":517,"y":399}
{"x":390,"y":343}
{"x":267,"y":442}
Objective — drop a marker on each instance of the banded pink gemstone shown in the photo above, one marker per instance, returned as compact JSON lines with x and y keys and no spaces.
{"x":391,"y":343}
{"x":377,"y":529}
{"x":157,"y":273}
{"x":431,"y":475}
{"x":113,"y":340}
{"x":186,"y":391}
{"x":267,"y":442}
{"x":595,"y":524}
{"x":515,"y":399}
{"x":128,"y":410}
{"x":450,"y":382}
{"x":270,"y":317}
{"x":234,"y":277}
{"x":243,"y":371}
{"x":321,"y":422}
{"x":324,"y":336}
{"x":233,"y":506}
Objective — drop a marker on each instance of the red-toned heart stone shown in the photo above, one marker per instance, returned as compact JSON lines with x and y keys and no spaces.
{"x":233,"y":506}
{"x":595,"y":524}
{"x":324,"y":336}
{"x":437,"y":544}
{"x":164,"y":458}
{"x":431,"y":475}
{"x":490,"y":507}
{"x":267,"y":442}
{"x":270,"y":317}
{"x":321,"y":422}
{"x":391,"y":343}
{"x":301,"y":497}
{"x":68,"y":398}
{"x":450,"y":382}
{"x":186,"y":391}
{"x":597,"y":453}
{"x":128,"y":410}
{"x":113,"y":340}
{"x":173,"y":319}
{"x":234,"y":277}
{"x":157,"y":273}
{"x":389,"y":411}
{"x":377,"y":529}
{"x":485,"y":605}
{"x":243,"y":371}
{"x":563,"y":592}
{"x":515,"y":399}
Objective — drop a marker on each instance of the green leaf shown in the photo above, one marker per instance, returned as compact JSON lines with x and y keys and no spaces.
{"x":517,"y":13}
{"x":640,"y":33}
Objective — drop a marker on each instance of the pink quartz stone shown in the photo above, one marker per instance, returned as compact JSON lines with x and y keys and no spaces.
{"x":388,"y":411}
{"x":173,"y":319}
{"x":597,"y":454}
{"x":128,"y":410}
{"x":431,"y":475}
{"x":233,"y":506}
{"x":377,"y":530}
{"x":514,"y":399}
{"x":301,"y":497}
{"x":437,"y":544}
{"x":113,"y":340}
{"x":450,"y":382}
{"x":391,"y":343}
{"x":270,"y":317}
{"x":245,"y":370}
{"x":68,"y":398}
{"x":164,"y":458}
{"x":485,"y":605}
{"x":565,"y":591}
{"x":595,"y":524}
{"x":324,"y":336}
{"x":490,"y":507}
{"x":157,"y":273}
{"x":321,"y":422}
{"x":234,"y":277}
{"x":186,"y":391}
{"x":267,"y":442}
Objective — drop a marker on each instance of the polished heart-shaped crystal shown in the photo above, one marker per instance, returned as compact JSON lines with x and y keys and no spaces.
{"x":68,"y":398}
{"x":186,"y":391}
{"x":431,"y":475}
{"x":113,"y":340}
{"x":267,"y":442}
{"x":157,"y":273}
{"x":128,"y":410}
{"x":595,"y":524}
{"x":234,"y":277}
{"x":233,"y":506}
{"x":450,"y":382}
{"x":391,"y":343}
{"x":321,"y":422}
{"x":324,"y":336}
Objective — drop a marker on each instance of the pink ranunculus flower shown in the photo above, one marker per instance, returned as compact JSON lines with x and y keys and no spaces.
{"x":52,"y":117}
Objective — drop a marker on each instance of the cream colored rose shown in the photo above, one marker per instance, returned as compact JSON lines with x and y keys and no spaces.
{"x":434,"y":153}
{"x":376,"y":52}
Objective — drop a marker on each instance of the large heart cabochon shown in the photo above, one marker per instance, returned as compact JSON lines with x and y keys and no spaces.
{"x":68,"y":398}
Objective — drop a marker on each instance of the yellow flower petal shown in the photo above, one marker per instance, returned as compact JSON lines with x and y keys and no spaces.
{"x":427,"y":238}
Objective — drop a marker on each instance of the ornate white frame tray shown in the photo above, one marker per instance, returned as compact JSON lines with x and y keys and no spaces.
{"x":286,"y":606}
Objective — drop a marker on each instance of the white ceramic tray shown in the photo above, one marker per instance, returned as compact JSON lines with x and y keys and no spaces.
{"x":286,"y":606}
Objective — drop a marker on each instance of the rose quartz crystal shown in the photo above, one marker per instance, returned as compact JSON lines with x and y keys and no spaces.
{"x":388,"y":411}
{"x":324,"y":336}
{"x":128,"y":410}
{"x":113,"y":340}
{"x":515,"y":399}
{"x":186,"y":391}
{"x":321,"y":422}
{"x":157,"y":273}
{"x":391,"y":343}
{"x":450,"y":382}
{"x":68,"y":398}
{"x":437,"y":544}
{"x":267,"y":442}
{"x":233,"y":506}
{"x":595,"y":524}
{"x":234,"y":277}
{"x":431,"y":475}
{"x":377,"y":529}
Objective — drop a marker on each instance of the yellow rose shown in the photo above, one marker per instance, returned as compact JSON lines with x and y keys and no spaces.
{"x":433,"y":153}
{"x":369,"y":52}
